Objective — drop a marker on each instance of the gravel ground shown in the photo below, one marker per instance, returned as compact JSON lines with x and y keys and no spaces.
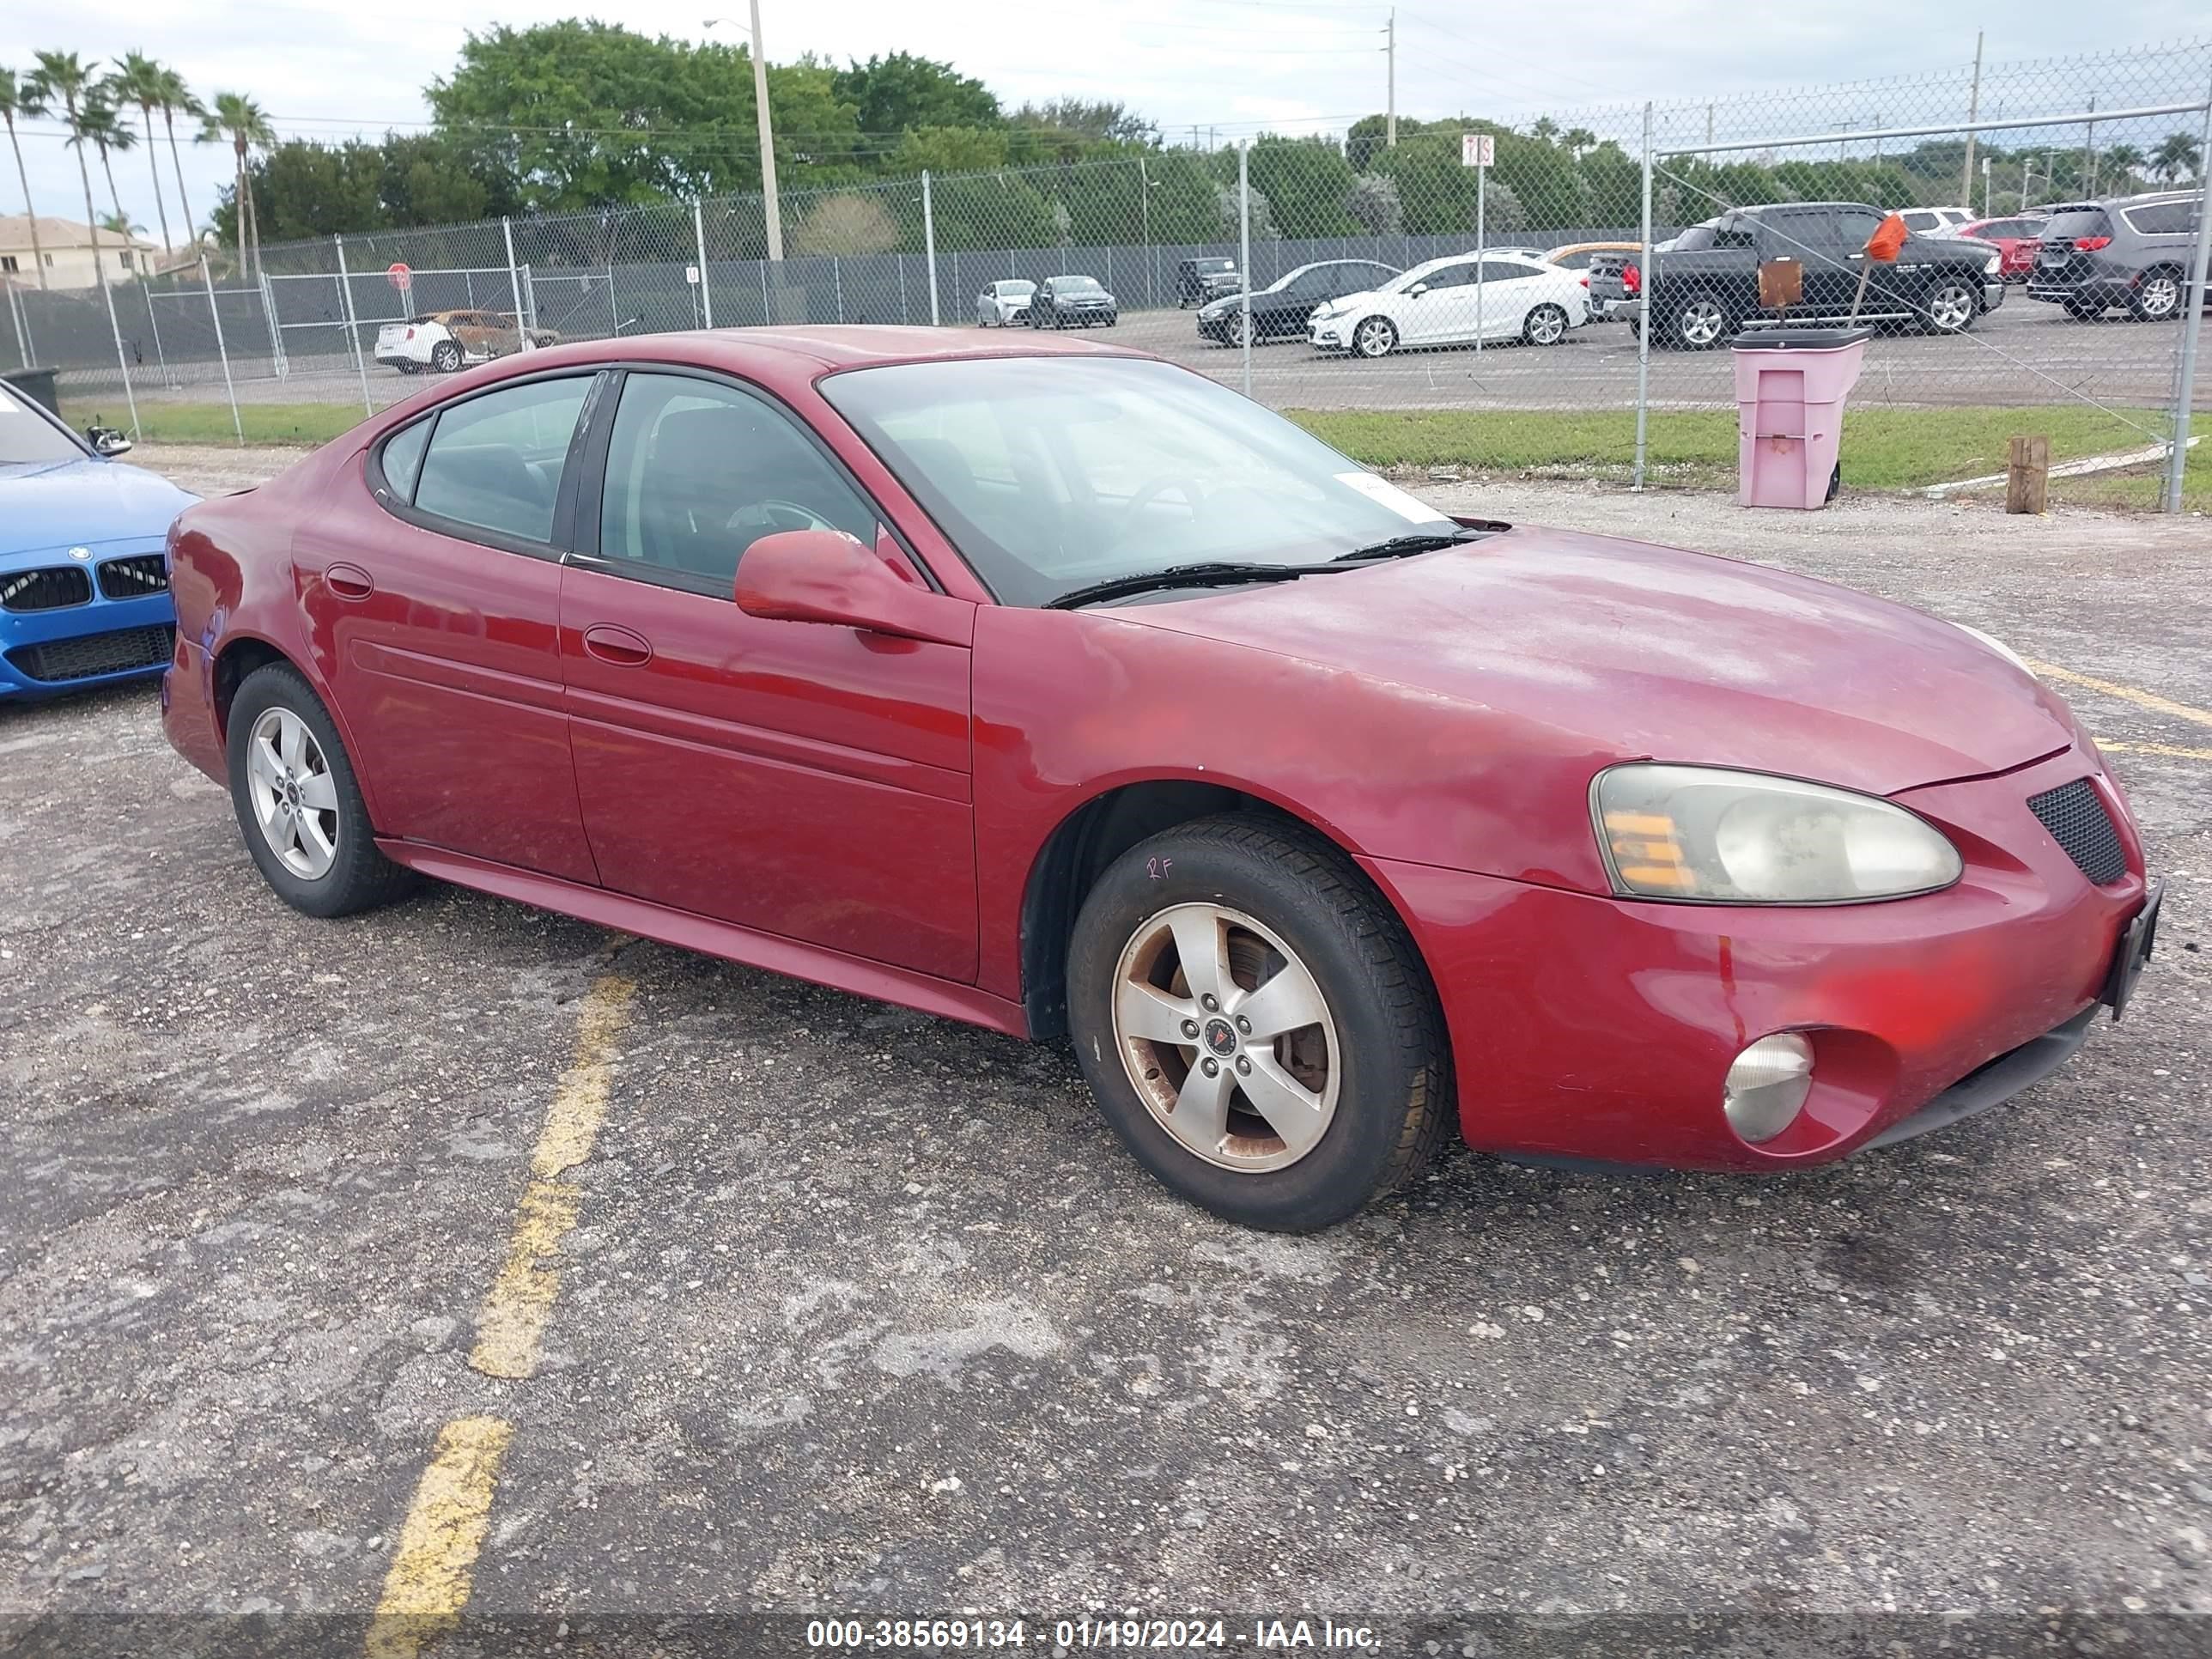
{"x":868,"y":1312}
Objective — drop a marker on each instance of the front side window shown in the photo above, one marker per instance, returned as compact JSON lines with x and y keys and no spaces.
{"x":1857,"y":226}
{"x":697,"y":472}
{"x":1052,"y":473}
{"x":495,"y":461}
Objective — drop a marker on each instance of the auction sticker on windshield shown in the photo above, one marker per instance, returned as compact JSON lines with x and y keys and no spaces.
{"x":1383,"y":490}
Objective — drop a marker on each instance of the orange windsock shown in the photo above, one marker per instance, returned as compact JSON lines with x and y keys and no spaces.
{"x":1888,"y":237}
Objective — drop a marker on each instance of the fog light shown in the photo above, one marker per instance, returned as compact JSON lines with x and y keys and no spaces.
{"x":1767,"y":1085}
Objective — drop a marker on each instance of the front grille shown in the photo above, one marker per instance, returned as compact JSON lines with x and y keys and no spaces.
{"x":91,"y":655}
{"x":135,"y":578}
{"x":45,"y":589}
{"x":2075,"y":814}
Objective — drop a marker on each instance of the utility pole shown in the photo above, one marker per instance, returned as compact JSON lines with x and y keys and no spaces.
{"x":1709,"y":133}
{"x":1985,"y":187}
{"x":768,"y":207}
{"x":2089,"y":153}
{"x":1390,"y":52}
{"x":1973,"y":114}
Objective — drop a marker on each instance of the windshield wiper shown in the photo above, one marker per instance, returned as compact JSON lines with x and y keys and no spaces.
{"x":1217,"y":573}
{"x":1397,"y":547}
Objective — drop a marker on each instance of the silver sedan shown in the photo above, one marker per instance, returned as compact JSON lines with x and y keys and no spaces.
{"x":1003,"y":304}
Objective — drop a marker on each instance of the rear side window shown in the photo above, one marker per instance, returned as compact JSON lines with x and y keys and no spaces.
{"x":401,"y":457}
{"x":495,"y":461}
{"x":2160,"y":218}
{"x":2076,"y":223}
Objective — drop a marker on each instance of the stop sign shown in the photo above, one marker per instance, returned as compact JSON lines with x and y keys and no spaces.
{"x":398,"y":276}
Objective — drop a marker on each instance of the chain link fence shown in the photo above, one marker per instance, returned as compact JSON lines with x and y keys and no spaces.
{"x":1489,"y":296}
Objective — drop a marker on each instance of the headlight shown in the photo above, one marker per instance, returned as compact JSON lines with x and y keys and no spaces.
{"x":1722,"y":837}
{"x":1999,"y":646}
{"x":1324,"y":312}
{"x":1989,"y":266}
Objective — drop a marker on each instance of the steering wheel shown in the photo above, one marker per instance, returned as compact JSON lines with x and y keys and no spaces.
{"x":768,"y":517}
{"x":1193,"y":492}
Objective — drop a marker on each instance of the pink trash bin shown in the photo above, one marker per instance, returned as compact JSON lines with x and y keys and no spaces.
{"x":1790,"y":385}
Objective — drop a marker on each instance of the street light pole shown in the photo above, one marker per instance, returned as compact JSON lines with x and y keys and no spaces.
{"x":768,"y":207}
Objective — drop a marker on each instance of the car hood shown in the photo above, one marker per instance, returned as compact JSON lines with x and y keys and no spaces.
{"x":1642,"y":651}
{"x":83,"y":504}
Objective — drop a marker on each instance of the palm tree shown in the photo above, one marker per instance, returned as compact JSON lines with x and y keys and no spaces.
{"x":1578,"y":140}
{"x":21,"y":97}
{"x":177,"y":99}
{"x":2176,"y":158}
{"x":2125,"y":160}
{"x":98,"y":126}
{"x":1544,"y":127}
{"x":239,"y":118}
{"x":120,"y":224}
{"x":138,"y":80}
{"x":61,"y":75}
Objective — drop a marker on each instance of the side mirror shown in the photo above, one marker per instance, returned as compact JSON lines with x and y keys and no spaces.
{"x":826,"y":576}
{"x":1417,"y":290}
{"x":107,"y":441}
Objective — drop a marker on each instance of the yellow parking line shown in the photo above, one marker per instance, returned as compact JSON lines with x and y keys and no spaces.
{"x":2129,"y":693}
{"x":2172,"y":751}
{"x":513,"y":1322}
{"x":435,"y":1560}
{"x":435,"y":1565}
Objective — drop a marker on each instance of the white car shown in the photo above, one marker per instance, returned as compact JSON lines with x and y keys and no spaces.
{"x":1457,"y":300}
{"x":1003,"y":304}
{"x":1935,"y":220}
{"x":443,"y":341}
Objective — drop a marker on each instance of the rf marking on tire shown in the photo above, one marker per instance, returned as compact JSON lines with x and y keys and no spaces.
{"x":434,"y":1567}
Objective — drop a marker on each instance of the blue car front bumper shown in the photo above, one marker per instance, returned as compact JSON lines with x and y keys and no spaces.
{"x":66,"y":626}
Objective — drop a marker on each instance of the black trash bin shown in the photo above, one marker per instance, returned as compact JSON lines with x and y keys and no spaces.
{"x":37,"y":385}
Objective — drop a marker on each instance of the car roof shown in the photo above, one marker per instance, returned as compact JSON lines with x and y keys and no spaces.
{"x":794,"y":356}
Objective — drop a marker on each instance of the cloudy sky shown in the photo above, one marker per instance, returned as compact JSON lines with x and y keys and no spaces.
{"x":334,"y":68}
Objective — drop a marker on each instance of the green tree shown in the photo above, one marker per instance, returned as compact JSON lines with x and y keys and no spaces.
{"x":237,"y":119}
{"x":21,"y":97}
{"x":99,"y":125}
{"x":139,"y":81}
{"x":900,"y":93}
{"x":1307,"y":182}
{"x":2176,"y":158}
{"x":177,"y":99}
{"x":63,"y":74}
{"x":2123,"y":161}
{"x":302,"y":190}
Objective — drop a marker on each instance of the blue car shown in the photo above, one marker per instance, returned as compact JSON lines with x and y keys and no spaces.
{"x":84,"y":581}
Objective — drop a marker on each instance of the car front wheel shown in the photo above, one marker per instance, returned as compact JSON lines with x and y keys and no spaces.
{"x":1952,"y":305}
{"x":298,"y":804}
{"x":1256,"y":1024}
{"x":1376,"y":336}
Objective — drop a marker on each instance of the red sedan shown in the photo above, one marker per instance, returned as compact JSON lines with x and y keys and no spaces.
{"x":1047,"y":686}
{"x":2015,"y":239}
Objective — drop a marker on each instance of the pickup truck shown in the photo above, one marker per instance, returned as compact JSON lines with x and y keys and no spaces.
{"x":1703,"y":286}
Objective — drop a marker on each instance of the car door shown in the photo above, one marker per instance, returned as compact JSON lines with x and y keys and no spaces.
{"x":436,"y":614}
{"x":1443,"y":310}
{"x":803,"y":779}
{"x":1509,"y":288}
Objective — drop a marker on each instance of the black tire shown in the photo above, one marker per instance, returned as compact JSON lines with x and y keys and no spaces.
{"x":359,"y":877}
{"x":1531,"y":328}
{"x":408,"y":369}
{"x":1700,"y":321}
{"x":2083,"y":310}
{"x":446,"y":356}
{"x":1381,"y":331}
{"x":1393,"y":1084}
{"x":1948,"y":296}
{"x":2160,"y":296}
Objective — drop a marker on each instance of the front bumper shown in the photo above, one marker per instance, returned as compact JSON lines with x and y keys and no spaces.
{"x":45,"y":653}
{"x":1993,"y":292}
{"x":1592,"y":1029}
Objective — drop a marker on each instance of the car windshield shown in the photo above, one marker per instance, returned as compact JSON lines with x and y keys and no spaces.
{"x":1015,"y":289}
{"x":1075,"y":284}
{"x":1421,"y":273}
{"x":1213,"y":265}
{"x":28,"y":437}
{"x":1052,"y":473}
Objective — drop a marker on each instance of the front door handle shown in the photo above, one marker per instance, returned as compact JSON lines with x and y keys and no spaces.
{"x":617,"y":645}
{"x":349,"y":582}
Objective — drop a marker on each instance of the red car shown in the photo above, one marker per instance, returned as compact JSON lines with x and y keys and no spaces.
{"x":1057,"y":688}
{"x":2015,"y":239}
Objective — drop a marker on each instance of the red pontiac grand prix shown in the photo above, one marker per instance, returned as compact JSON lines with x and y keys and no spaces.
{"x":1048,"y":686}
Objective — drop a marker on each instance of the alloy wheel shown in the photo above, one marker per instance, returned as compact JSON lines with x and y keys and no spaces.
{"x":2159,"y":297}
{"x":1950,"y":308}
{"x":1375,"y":337}
{"x":1699,"y":324}
{"x":1226,"y":1037}
{"x":296,"y":799}
{"x":1547,"y":326}
{"x":1240,"y":329}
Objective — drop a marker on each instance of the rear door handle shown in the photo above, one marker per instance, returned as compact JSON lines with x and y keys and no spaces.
{"x":617,"y":645}
{"x":349,"y":582}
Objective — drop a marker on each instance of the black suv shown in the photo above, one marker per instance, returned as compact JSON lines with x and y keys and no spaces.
{"x":2134,"y":251}
{"x":1705,"y":284}
{"x":1198,"y":281}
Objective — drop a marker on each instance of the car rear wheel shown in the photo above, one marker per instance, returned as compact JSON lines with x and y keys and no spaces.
{"x":1701,"y":322}
{"x":2157,"y":298}
{"x":1952,"y":306}
{"x":2083,"y":310}
{"x":298,"y":804}
{"x":1546,"y":325}
{"x":1256,"y":1024}
{"x":446,"y":356}
{"x":1376,"y":336}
